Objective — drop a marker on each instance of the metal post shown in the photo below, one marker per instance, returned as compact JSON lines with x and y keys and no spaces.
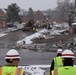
{"x":75,"y":4}
{"x":73,"y":38}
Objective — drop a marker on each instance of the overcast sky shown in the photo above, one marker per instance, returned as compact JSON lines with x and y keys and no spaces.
{"x":34,"y":4}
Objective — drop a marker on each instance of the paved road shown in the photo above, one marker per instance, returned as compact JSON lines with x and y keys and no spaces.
{"x":28,"y":57}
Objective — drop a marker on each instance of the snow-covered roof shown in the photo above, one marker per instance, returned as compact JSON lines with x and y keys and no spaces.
{"x":4,"y":11}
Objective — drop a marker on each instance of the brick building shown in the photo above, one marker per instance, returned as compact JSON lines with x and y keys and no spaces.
{"x":38,"y":15}
{"x":2,"y":19}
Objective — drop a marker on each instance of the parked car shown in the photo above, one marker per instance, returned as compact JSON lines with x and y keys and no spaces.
{"x":9,"y":24}
{"x":26,"y":28}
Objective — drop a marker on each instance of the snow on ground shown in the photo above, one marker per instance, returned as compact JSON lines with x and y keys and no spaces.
{"x":35,"y":35}
{"x":40,"y":34}
{"x":28,"y":39}
{"x":35,"y":69}
{"x":2,"y":34}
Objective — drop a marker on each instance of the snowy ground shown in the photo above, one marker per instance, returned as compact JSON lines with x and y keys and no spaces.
{"x":34,"y":69}
{"x":2,"y":34}
{"x":40,"y":34}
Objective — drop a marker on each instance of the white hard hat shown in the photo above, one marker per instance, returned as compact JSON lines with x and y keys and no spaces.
{"x":12,"y":54}
{"x":59,"y":51}
{"x":68,"y":54}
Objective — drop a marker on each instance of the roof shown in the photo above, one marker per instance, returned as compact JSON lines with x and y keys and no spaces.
{"x":2,"y":13}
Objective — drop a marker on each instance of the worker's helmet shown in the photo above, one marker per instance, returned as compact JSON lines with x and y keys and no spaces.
{"x":59,"y":51}
{"x":68,"y":54}
{"x":12,"y":54}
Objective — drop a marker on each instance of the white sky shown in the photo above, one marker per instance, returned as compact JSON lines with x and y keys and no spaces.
{"x":34,"y":4}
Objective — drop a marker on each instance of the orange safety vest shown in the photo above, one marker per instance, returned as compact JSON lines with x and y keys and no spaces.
{"x":5,"y":70}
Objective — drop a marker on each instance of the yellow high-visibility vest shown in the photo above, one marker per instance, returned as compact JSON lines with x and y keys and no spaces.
{"x":67,"y":70}
{"x":58,"y":62}
{"x":11,"y":70}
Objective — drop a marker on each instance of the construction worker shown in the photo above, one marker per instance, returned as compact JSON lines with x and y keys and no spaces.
{"x":68,"y":60}
{"x":60,"y":44}
{"x":34,"y":28}
{"x":57,"y":61}
{"x":11,"y":67}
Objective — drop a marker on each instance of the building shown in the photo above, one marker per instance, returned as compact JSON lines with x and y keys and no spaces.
{"x":2,"y":19}
{"x":38,"y":15}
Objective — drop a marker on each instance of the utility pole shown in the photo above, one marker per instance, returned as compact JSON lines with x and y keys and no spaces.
{"x":75,"y":4}
{"x":73,"y":27}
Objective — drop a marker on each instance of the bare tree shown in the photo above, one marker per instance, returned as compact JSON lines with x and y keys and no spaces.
{"x":66,"y":10}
